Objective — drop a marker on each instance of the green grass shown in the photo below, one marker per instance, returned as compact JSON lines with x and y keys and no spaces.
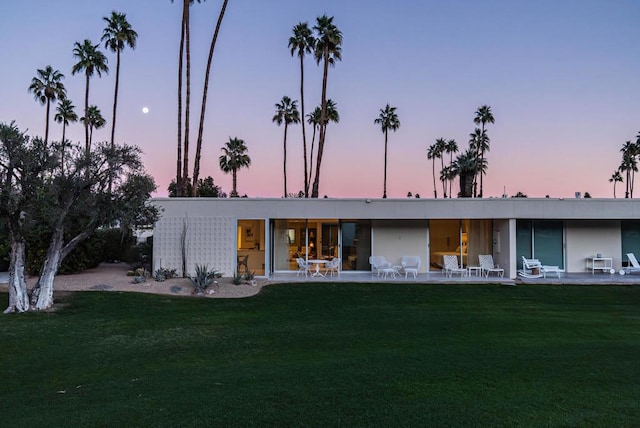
{"x":319,"y":355}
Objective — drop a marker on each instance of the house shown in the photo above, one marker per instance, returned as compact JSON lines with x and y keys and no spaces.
{"x":270,"y":233}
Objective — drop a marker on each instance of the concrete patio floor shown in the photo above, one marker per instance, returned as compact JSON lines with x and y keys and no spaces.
{"x":438,"y":278}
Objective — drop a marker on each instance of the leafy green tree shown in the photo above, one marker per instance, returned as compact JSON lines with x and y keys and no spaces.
{"x":615,"y":178}
{"x":206,"y":188}
{"x":47,"y":87}
{"x":23,"y":167}
{"x":93,"y":120}
{"x":388,"y":121}
{"x":301,"y":43}
{"x":90,"y":60}
{"x":233,"y":158}
{"x":117,"y":35}
{"x":483,"y":116}
{"x":328,"y":50}
{"x":65,"y":114}
{"x":287,"y":113}
{"x":196,"y":165}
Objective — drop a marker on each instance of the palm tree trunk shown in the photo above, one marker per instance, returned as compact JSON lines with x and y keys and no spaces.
{"x":285,"y":159}
{"x":313,"y":139}
{"x":384,"y":191}
{"x":450,"y":179}
{"x":304,"y":134}
{"x":185,"y":154}
{"x":115,"y":104}
{"x":626,"y":194}
{"x":614,"y":189}
{"x":62,"y":145}
{"x":323,"y":124}
{"x":196,"y":166}
{"x":179,"y":184}
{"x":444,"y":184}
{"x":234,"y":192}
{"x":435,"y":189}
{"x":46,"y":127}
{"x":87,"y":145}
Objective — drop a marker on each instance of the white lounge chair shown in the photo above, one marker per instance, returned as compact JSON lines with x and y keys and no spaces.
{"x":531,"y":268}
{"x":635,"y":266}
{"x":333,"y":267}
{"x":410,"y":265}
{"x":303,"y":266}
{"x":378,"y":263}
{"x":451,"y":266}
{"x":487,"y":266}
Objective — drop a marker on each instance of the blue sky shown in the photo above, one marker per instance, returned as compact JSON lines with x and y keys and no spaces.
{"x":560,"y":76}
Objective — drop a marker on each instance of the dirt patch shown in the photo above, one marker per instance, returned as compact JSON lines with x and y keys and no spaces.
{"x":113,"y":277}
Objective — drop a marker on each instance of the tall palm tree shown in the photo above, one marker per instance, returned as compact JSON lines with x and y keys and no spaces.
{"x":302,"y":42}
{"x":483,"y":116}
{"x":93,"y":120}
{"x":465,"y":167}
{"x":90,"y":60}
{"x":451,"y":147}
{"x":117,"y":35}
{"x":388,"y":121}
{"x":47,"y":87}
{"x":212,"y":46}
{"x":629,"y":165}
{"x":615,"y":178}
{"x":235,"y":157}
{"x":328,"y":49}
{"x":432,"y":153}
{"x":441,"y":147}
{"x":287,"y":113}
{"x":65,"y":114}
{"x":185,"y":50}
{"x":314,"y":118}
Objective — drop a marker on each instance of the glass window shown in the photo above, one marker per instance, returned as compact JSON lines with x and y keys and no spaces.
{"x":356,"y":245}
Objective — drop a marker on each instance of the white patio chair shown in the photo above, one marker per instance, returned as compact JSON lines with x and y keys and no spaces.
{"x":333,"y":267}
{"x":531,"y":268}
{"x":378,"y":263}
{"x":410,"y":265}
{"x":635,"y":266}
{"x":451,"y":266}
{"x":487,"y":266}
{"x":303,"y":266}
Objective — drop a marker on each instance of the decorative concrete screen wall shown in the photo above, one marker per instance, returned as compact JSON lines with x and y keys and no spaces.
{"x":208,"y":240}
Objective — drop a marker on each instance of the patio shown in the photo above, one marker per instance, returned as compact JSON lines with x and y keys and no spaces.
{"x":437,"y":277}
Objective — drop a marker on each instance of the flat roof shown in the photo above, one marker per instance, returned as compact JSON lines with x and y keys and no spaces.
{"x":403,"y":208}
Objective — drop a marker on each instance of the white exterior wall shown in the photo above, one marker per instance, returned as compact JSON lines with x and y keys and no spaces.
{"x":396,"y":238}
{"x":586,"y":238}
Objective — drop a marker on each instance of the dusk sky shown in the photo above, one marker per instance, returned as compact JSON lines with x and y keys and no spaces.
{"x":562,"y":78}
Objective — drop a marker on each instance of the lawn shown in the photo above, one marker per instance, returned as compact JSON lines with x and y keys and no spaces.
{"x":320,"y":355}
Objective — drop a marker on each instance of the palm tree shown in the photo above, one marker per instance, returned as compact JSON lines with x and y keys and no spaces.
{"x":629,"y":165}
{"x":184,"y":40}
{"x":116,"y":36}
{"x":314,"y":118}
{"x":465,"y":167}
{"x":196,"y":165}
{"x":65,"y":114}
{"x":235,"y":157}
{"x":94,"y":121}
{"x":483,"y":116}
{"x":302,"y":42}
{"x":287,"y":113}
{"x":47,"y":87}
{"x":90,"y":60}
{"x":615,"y":178}
{"x":388,"y":121}
{"x":328,"y":49}
{"x":432,"y":153}
{"x":451,"y":147}
{"x":441,"y":146}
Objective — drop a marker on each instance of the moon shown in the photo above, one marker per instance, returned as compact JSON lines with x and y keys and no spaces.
{"x":145,"y":110}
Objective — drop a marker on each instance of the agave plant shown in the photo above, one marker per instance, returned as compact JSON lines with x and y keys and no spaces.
{"x":203,"y":278}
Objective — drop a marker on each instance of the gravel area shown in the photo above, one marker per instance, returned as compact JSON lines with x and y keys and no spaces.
{"x":113,"y":277}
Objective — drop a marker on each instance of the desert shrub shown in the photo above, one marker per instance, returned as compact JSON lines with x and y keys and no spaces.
{"x":237,"y":278}
{"x":204,"y":278}
{"x":163,"y":274}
